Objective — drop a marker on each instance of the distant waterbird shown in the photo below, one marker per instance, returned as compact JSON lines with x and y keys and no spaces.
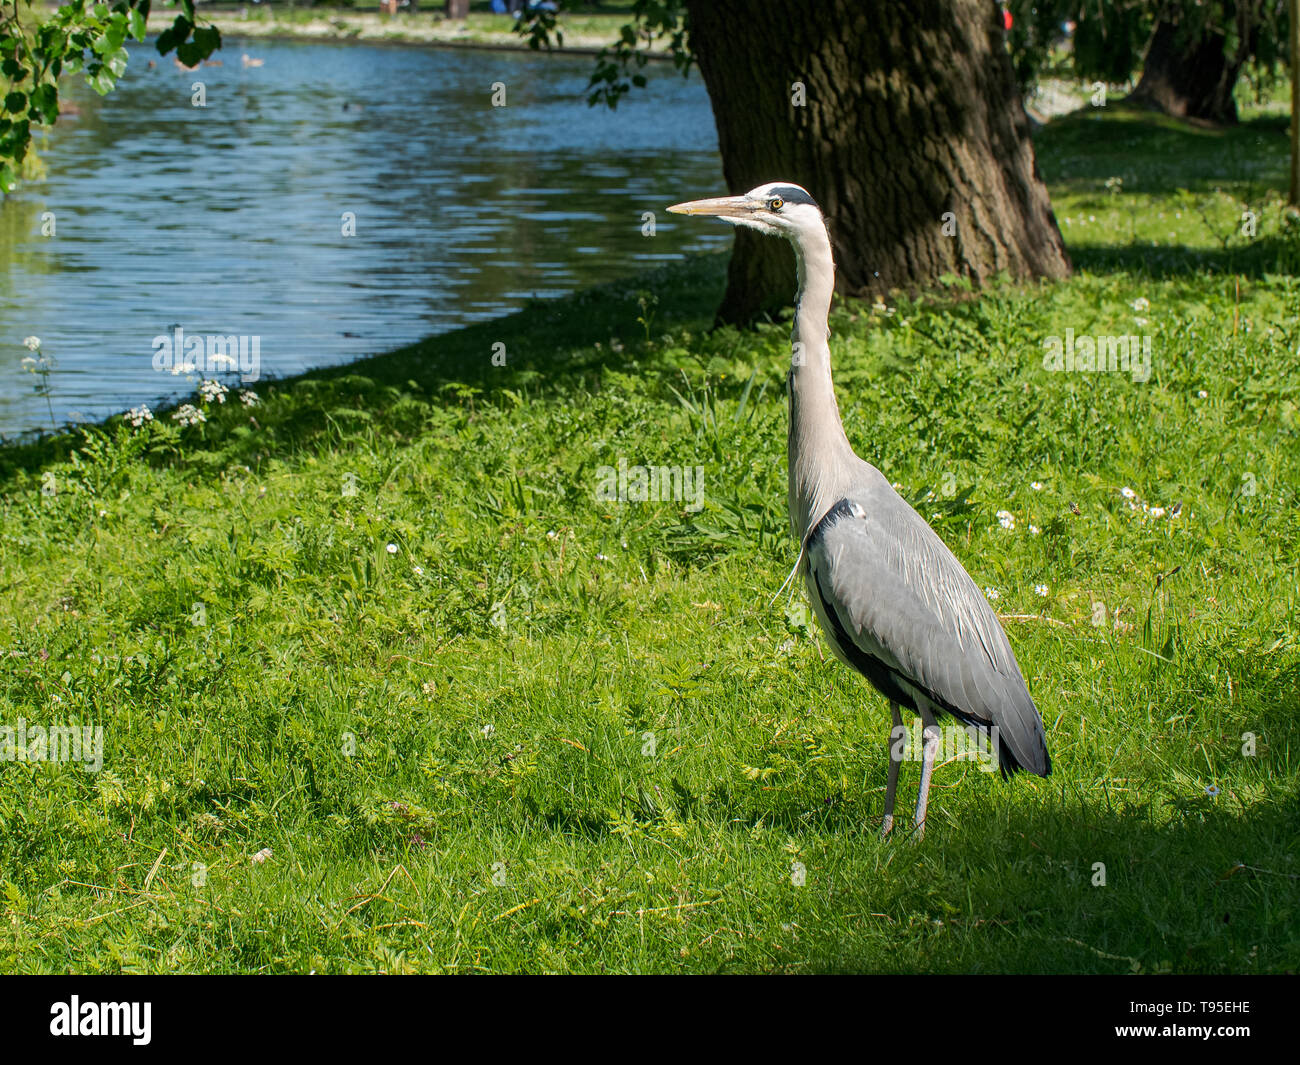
{"x":893,"y":601}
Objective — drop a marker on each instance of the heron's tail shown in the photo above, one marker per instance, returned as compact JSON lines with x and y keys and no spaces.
{"x":1021,"y":743}
{"x":1009,"y":764}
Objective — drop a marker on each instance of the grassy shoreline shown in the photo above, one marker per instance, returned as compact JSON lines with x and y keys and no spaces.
{"x":583,"y":34}
{"x":381,"y":626}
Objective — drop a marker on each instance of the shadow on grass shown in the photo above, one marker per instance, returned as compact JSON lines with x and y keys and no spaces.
{"x":1267,"y":255}
{"x":1159,"y":155}
{"x":1214,"y":890}
{"x":1196,"y":879}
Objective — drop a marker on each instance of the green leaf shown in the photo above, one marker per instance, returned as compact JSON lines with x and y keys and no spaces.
{"x":116,"y":33}
{"x":15,"y":102}
{"x":116,"y":62}
{"x":189,"y":53}
{"x":103,"y":82}
{"x":137,"y":20}
{"x":45,"y":104}
{"x":177,"y":32}
{"x":207,"y":39}
{"x":7,"y":181}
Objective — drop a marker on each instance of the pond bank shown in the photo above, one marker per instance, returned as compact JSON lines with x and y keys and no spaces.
{"x":583,"y":35}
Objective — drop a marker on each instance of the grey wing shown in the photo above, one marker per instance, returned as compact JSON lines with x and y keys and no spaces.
{"x":908,"y":616}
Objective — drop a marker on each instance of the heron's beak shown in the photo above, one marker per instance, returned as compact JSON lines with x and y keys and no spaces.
{"x":718,"y":207}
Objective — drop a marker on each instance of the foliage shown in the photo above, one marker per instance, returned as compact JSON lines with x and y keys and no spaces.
{"x":79,"y":37}
{"x":619,"y":67}
{"x":1110,"y":36}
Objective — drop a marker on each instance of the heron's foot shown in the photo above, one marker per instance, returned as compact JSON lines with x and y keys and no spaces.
{"x":887,"y":825}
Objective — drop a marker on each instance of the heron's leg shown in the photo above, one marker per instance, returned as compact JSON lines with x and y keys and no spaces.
{"x":929,"y":747}
{"x":895,"y":751}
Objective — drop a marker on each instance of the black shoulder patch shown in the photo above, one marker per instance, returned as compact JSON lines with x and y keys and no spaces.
{"x":792,"y":195}
{"x":843,"y":509}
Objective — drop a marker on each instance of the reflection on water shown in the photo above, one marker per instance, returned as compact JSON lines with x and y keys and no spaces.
{"x":229,"y":219}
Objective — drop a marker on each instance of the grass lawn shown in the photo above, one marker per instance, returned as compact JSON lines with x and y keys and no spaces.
{"x":381,"y":627}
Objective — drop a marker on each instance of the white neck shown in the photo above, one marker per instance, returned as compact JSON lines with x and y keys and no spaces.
{"x":819,"y":456}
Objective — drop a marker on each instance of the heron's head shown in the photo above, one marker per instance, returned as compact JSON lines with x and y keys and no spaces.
{"x":779,"y":208}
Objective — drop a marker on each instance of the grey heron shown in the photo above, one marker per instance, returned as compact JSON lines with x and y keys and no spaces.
{"x":892,"y":600}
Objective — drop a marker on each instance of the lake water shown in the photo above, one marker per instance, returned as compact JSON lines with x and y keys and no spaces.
{"x":228,"y":219}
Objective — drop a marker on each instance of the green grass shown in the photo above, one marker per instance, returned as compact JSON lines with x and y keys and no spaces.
{"x":335,"y":704}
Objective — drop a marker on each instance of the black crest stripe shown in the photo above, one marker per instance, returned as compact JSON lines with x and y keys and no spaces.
{"x":792,"y":195}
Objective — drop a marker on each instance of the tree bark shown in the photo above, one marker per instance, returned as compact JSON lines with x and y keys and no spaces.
{"x":1189,"y":75}
{"x":912,"y":139}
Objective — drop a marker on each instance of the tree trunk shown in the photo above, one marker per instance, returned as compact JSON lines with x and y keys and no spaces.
{"x":1191,"y":77}
{"x":913,"y":141}
{"x":457,"y":9}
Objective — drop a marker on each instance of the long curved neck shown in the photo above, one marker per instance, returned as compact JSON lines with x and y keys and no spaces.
{"x":819,"y":455}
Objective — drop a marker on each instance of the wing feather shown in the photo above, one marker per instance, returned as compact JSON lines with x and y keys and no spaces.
{"x":913,"y":618}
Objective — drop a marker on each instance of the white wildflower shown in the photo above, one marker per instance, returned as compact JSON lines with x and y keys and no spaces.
{"x":137,"y":416}
{"x":213,"y":391}
{"x":1128,"y":493}
{"x":1037,"y":486}
{"x":1034,"y":530}
{"x":188,"y":414}
{"x":261,"y":856}
{"x":391,"y":549}
{"x":992,"y":593}
{"x":1006,"y":519}
{"x":1040,"y":590}
{"x":1157,"y":512}
{"x":247,"y":398}
{"x":32,"y":343}
{"x":488,"y":729}
{"x":1141,"y":304}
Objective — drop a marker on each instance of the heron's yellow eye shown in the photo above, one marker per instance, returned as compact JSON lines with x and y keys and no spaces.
{"x":775,"y":203}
